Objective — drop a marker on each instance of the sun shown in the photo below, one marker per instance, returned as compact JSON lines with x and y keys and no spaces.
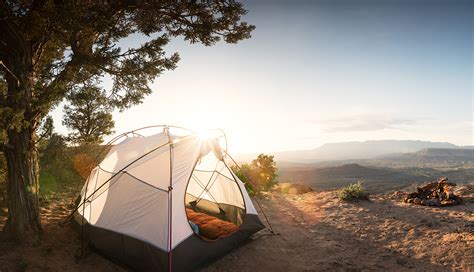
{"x":206,"y":134}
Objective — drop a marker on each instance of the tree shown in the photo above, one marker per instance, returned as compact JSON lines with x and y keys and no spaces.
{"x":258,"y":176}
{"x":267,"y":170}
{"x":45,"y":130}
{"x":47,"y":47}
{"x":53,"y":150}
{"x":89,"y":115}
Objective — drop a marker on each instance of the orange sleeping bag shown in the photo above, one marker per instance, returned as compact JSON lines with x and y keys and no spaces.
{"x":211,"y":227}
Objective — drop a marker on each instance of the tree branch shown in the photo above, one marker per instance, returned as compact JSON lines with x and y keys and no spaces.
{"x":4,"y":146}
{"x":6,"y":70}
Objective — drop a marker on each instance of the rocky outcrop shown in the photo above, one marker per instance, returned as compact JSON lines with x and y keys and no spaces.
{"x":438,"y":193}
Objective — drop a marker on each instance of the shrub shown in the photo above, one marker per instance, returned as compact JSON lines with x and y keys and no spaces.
{"x":352,"y":192}
{"x":243,"y":173}
{"x":260,"y":175}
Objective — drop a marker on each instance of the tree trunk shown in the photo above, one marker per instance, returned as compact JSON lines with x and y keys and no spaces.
{"x":23,"y":222}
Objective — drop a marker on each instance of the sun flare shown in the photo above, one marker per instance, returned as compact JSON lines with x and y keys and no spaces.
{"x":206,"y":134}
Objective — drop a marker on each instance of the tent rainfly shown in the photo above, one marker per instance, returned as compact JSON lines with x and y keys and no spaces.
{"x":167,"y":201}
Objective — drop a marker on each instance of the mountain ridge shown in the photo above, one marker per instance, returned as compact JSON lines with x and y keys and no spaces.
{"x":368,"y":149}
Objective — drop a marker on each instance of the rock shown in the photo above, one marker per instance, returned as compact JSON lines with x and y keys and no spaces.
{"x":433,"y":202}
{"x":444,"y":182}
{"x":428,"y":187}
{"x":464,"y":190}
{"x":410,"y":196}
{"x":448,"y":202}
{"x":438,"y":193}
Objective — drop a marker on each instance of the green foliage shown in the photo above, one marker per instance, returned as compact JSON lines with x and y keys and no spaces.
{"x":57,"y":171}
{"x":353,"y":192}
{"x":49,"y":47}
{"x":46,"y":129}
{"x":53,"y":150}
{"x":63,"y":167}
{"x":48,"y":183}
{"x":243,"y":173}
{"x":258,"y":176}
{"x":88,"y":115}
{"x":266,"y":169}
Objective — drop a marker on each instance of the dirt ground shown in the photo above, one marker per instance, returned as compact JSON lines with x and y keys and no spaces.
{"x":316,"y":232}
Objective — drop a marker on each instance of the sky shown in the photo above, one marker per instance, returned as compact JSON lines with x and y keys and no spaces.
{"x":323,"y":71}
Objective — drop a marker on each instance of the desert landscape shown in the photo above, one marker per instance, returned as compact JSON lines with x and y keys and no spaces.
{"x":314,"y":231}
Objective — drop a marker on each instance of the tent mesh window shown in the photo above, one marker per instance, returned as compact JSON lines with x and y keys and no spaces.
{"x":214,"y":203}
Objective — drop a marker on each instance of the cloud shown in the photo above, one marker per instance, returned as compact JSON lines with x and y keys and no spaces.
{"x":359,"y":123}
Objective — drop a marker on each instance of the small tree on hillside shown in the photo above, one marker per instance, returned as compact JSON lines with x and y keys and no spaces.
{"x":258,"y":176}
{"x":267,"y":170}
{"x":53,"y":151}
{"x":88,"y":115}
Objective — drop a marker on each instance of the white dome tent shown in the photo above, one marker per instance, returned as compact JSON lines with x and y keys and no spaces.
{"x":165,"y":201}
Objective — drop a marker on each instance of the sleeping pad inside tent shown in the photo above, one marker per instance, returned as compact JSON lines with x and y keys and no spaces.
{"x":165,"y":202}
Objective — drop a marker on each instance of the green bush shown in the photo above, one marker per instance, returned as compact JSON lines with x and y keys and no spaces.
{"x":352,"y":192}
{"x":258,"y":176}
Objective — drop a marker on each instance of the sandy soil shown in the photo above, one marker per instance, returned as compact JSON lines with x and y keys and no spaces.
{"x":316,"y":232}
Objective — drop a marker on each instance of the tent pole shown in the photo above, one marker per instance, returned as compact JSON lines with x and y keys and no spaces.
{"x":170,"y":202}
{"x":264,"y":215}
{"x":82,"y":226}
{"x":170,"y":254}
{"x":170,"y":194}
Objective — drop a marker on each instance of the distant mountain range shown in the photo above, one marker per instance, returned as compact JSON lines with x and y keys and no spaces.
{"x":429,"y":157}
{"x":385,"y":150}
